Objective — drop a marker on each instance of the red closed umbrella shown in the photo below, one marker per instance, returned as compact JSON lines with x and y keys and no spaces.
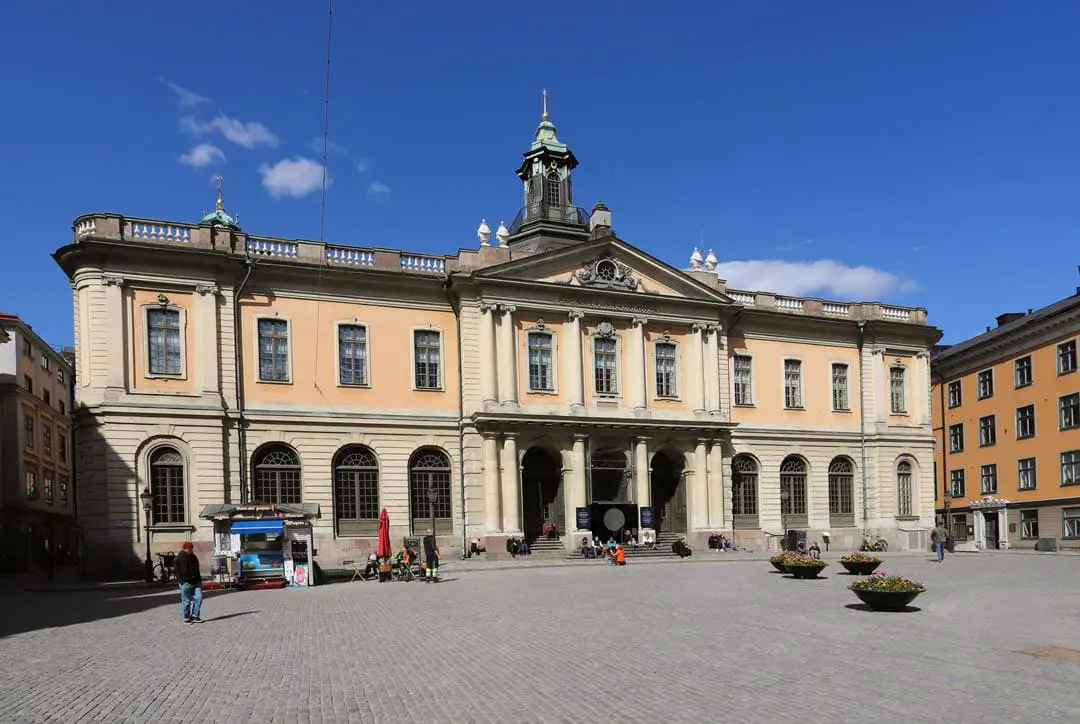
{"x":384,"y":550}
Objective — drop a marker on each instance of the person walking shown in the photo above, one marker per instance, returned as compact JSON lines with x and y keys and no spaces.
{"x":939,"y":537}
{"x":431,"y":556}
{"x":187,"y":572}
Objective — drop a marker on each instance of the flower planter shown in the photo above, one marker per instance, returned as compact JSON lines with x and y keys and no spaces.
{"x":805,"y":572}
{"x":886,"y":600}
{"x":779,"y":566}
{"x":860,"y":568}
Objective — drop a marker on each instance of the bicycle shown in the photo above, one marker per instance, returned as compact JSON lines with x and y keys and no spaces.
{"x":163,"y":569}
{"x":874,"y":544}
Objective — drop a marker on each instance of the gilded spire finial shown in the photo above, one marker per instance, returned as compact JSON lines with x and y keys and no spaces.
{"x":220,"y":200}
{"x":544,"y":94}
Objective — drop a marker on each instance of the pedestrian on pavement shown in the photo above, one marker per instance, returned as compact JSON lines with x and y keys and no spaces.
{"x":939,"y":537}
{"x":48,"y":559}
{"x":187,"y":572}
{"x":431,"y":554}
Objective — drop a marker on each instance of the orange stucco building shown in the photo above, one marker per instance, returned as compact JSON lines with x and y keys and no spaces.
{"x":1007,"y":427}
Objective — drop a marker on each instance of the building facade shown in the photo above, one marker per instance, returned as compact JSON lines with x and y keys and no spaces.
{"x":555,"y":376}
{"x":37,"y":484}
{"x":1007,"y":421}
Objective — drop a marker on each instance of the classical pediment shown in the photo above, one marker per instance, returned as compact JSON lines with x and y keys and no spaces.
{"x":609,"y":265}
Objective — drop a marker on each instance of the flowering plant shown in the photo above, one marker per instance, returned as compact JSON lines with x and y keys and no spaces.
{"x":798,"y":560}
{"x":887,"y":584}
{"x":784,"y":558}
{"x":859,"y":558}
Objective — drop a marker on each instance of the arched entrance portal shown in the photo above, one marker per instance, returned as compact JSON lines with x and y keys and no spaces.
{"x":668,"y":494}
{"x":541,"y":493}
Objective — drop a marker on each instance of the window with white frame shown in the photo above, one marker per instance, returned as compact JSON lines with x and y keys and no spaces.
{"x":985,"y":384}
{"x":667,"y":354}
{"x":427,"y":359}
{"x":743,"y":376}
{"x":1029,"y":524}
{"x":1070,"y":523}
{"x":1069,"y":411}
{"x":541,"y":346}
{"x":905,"y":494}
{"x":1023,"y":373}
{"x":167,"y":484}
{"x":46,"y":363}
{"x":793,"y":397}
{"x":841,"y":397}
{"x":898,"y":389}
{"x":605,"y":364}
{"x":988,"y":479}
{"x":956,"y":437}
{"x":60,"y":377}
{"x":163,"y":346}
{"x":987,"y":430}
{"x":1026,"y":478}
{"x":1066,"y":357}
{"x":27,"y":348}
{"x":353,"y":356}
{"x":1070,"y":467}
{"x":1025,"y":422}
{"x":957,"y":483}
{"x":956,"y":394}
{"x":273,"y":350}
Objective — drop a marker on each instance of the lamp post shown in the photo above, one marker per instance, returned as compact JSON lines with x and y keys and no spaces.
{"x":785,"y":496}
{"x":147,"y":499}
{"x":433,"y":497}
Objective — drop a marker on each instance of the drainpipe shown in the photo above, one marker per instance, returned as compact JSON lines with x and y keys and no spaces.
{"x":862,"y":425}
{"x":454,"y":305}
{"x":241,"y":433}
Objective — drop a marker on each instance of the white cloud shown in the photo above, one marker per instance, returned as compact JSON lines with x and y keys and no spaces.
{"x":804,"y":278}
{"x":248,"y":135}
{"x":293,"y":177}
{"x":187,"y":97}
{"x":363,"y":165}
{"x":378,"y":189}
{"x":332,"y":148}
{"x":202,"y":155}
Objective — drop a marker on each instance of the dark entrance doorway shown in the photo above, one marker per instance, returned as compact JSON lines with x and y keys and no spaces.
{"x":541,"y":493}
{"x":668,"y":494}
{"x":610,"y":481}
{"x":990,"y":519}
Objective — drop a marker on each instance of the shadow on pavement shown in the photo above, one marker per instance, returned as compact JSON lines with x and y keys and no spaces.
{"x":864,"y":607}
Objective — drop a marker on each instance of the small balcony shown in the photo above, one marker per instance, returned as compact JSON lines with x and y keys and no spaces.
{"x":573,"y":215}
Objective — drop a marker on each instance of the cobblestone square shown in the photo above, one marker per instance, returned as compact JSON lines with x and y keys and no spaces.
{"x":674,"y":641}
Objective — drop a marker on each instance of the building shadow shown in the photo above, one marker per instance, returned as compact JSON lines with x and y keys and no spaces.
{"x":25,"y":611}
{"x":864,"y":607}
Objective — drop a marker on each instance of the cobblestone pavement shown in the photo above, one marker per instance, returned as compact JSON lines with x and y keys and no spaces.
{"x":672,"y":643}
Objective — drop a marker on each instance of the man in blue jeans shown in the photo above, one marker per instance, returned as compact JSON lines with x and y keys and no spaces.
{"x":939,"y":537}
{"x":187,"y":572}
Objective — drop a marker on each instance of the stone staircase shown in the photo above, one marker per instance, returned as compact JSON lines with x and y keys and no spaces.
{"x":545,"y":548}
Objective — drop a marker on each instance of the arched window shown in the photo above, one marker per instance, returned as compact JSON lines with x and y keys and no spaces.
{"x":430,"y":469}
{"x":904,"y":491}
{"x":554,"y":189}
{"x":167,"y":485}
{"x":744,"y":491}
{"x":793,"y":490}
{"x":277,"y":476}
{"x":356,"y":492}
{"x":841,"y":493}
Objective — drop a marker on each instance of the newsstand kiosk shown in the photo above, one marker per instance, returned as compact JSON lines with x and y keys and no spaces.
{"x":262,"y":546}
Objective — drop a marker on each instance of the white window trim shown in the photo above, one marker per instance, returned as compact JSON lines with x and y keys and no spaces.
{"x":1057,"y":357}
{"x":337,"y":353}
{"x":982,"y":477}
{"x":1034,"y":473}
{"x":677,"y":397}
{"x":802,"y":382}
{"x":846,"y":364}
{"x":914,"y":465}
{"x":753,"y":395}
{"x":555,"y":351}
{"x":441,"y":387}
{"x":144,"y":311}
{"x":593,"y":336}
{"x":288,"y":357}
{"x":991,"y":416}
{"x":960,"y":396}
{"x":1016,"y":421}
{"x":1016,"y":368}
{"x":963,"y":437}
{"x":144,"y":480}
{"x":993,"y":383}
{"x":905,"y":411}
{"x":1060,"y":410}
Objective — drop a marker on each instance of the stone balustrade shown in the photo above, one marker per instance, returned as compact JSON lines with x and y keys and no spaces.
{"x":822,"y":308}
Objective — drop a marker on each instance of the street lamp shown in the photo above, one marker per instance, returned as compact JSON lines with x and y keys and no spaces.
{"x":785,"y":496}
{"x":433,"y":497}
{"x":147,"y":499}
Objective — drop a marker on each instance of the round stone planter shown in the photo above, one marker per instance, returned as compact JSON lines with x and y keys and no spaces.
{"x":779,"y":566}
{"x":805,"y":571}
{"x":860,"y":568}
{"x":886,"y":600}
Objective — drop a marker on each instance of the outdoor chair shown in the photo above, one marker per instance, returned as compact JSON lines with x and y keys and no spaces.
{"x":357,"y":569}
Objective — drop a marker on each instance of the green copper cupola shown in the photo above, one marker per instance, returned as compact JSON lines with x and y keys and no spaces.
{"x":218,"y":217}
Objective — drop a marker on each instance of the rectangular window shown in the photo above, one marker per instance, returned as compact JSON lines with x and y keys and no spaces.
{"x":897,"y":390}
{"x":1025,"y":474}
{"x":47,"y":487}
{"x":988,"y":479}
{"x":1070,"y":523}
{"x":29,"y":430}
{"x":273,"y":350}
{"x":1066,"y":357}
{"x":46,"y":363}
{"x":793,"y":383}
{"x":987,"y":430}
{"x":61,"y":444}
{"x":60,"y":376}
{"x":163,"y":341}
{"x":1069,"y":411}
{"x":46,"y":397}
{"x":956,"y":397}
{"x":956,"y":437}
{"x":1029,"y":524}
{"x":352,"y":355}
{"x":31,"y":484}
{"x":46,"y":439}
{"x":541,"y":361}
{"x":956,"y":483}
{"x":427,"y":348}
{"x":840,"y":397}
{"x":1025,"y":422}
{"x":27,"y":348}
{"x":28,"y":383}
{"x":743,"y":374}
{"x":62,"y":487}
{"x":61,"y":406}
{"x":985,"y":384}
{"x":666,"y":355}
{"x":1023,"y":372}
{"x":1070,"y":467}
{"x":605,"y":359}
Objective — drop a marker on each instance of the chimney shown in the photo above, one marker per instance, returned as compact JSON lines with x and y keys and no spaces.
{"x":600,"y":221}
{"x":1003,"y":319}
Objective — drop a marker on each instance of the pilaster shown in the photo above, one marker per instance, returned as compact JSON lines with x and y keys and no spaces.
{"x":699,"y":498}
{"x":718,"y":505}
{"x":573,"y":363}
{"x":695,"y":363}
{"x":712,"y":368}
{"x":116,"y":329}
{"x":492,"y":494}
{"x":511,"y":485}
{"x":508,"y":393}
{"x":642,"y":491}
{"x":489,"y":363}
{"x":206,"y":336}
{"x":635,"y":356}
{"x":576,"y":497}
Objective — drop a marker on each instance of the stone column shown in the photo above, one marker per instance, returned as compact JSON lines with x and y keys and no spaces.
{"x":573,"y":363}
{"x":712,"y":368}
{"x":117,"y":344}
{"x":696,"y":368}
{"x":577,"y":496}
{"x":635,"y":356}
{"x":642,"y":489}
{"x":699,"y":500}
{"x":717,"y":487}
{"x":508,"y":369}
{"x":511,"y":485}
{"x":920,"y":389}
{"x":492,"y":494}
{"x":489,"y":363}
{"x":206,"y":345}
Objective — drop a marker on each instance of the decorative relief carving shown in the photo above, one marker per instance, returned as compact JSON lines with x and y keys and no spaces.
{"x":112,"y":280}
{"x":487,"y":306}
{"x":605,"y":329}
{"x":615,"y":306}
{"x":606,"y":273}
{"x":507,"y":308}
{"x":205,"y":289}
{"x":639,"y":321}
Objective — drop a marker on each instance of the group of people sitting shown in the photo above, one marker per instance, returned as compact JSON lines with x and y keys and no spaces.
{"x":517,"y":546}
{"x":719,"y":542}
{"x":384,"y":569}
{"x":612,"y":551}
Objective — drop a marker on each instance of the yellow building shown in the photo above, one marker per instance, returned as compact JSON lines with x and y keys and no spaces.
{"x":553,"y":377}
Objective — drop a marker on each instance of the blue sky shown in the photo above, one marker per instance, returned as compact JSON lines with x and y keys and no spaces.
{"x":920,"y":153}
